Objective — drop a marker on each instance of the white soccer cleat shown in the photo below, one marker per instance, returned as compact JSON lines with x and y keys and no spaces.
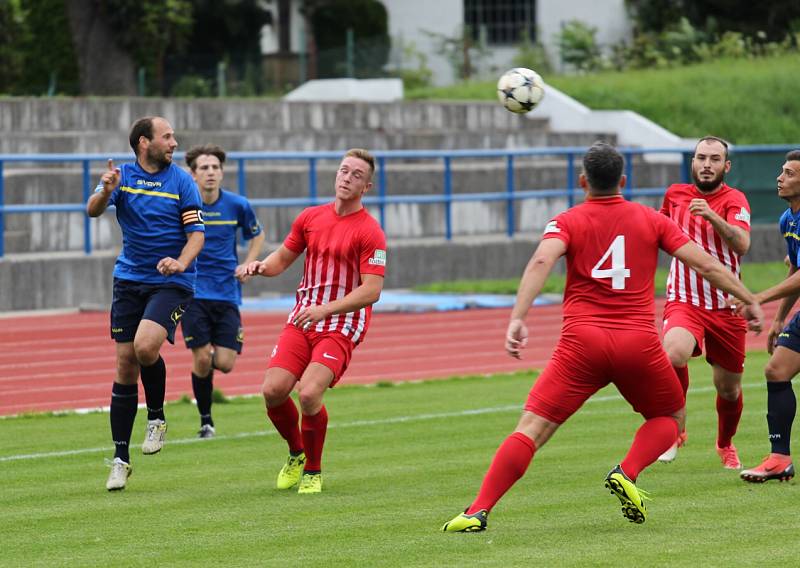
{"x":672,"y":453}
{"x":154,"y":437}
{"x":120,"y":472}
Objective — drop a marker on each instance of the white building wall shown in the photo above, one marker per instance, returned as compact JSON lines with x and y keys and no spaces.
{"x":410,"y":19}
{"x":608,"y":16}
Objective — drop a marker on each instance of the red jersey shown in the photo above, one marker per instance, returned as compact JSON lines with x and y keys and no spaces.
{"x":612,"y":254}
{"x":684,"y":284}
{"x":339,"y":249}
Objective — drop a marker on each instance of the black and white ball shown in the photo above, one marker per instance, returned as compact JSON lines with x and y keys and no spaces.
{"x":520,"y":90}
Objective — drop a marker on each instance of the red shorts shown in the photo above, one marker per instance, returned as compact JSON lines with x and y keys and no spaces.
{"x":723,"y":331}
{"x":587,"y":358}
{"x":296,"y":349}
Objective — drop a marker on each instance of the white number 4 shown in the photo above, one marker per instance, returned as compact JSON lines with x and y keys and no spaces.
{"x":618,"y":273}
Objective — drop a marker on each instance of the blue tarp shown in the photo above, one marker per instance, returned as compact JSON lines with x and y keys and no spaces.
{"x":401,"y":301}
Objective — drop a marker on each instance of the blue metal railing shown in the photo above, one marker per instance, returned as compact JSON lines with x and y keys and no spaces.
{"x":383,"y":198}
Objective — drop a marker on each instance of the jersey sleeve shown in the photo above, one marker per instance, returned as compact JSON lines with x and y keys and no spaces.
{"x":248,"y":221}
{"x":558,"y":228}
{"x":296,"y":241}
{"x":670,"y":235}
{"x":373,"y":253}
{"x":665,"y":204}
{"x":190,"y":206}
{"x":738,"y":211}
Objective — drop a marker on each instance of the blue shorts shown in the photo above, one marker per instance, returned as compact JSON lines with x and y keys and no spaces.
{"x":790,"y":336}
{"x":212,"y":321}
{"x":135,"y":301}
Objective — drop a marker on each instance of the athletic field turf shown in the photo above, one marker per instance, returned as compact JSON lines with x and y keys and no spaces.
{"x":400,"y":461}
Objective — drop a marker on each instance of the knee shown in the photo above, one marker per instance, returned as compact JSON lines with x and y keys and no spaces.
{"x":310,"y":400}
{"x":223,"y":363}
{"x":274,"y":394}
{"x":146,"y":353}
{"x":127,"y":369}
{"x":775,"y":374}
{"x":202,"y":362}
{"x":677,"y":357}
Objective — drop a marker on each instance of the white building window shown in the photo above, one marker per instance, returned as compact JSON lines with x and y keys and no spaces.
{"x":500,"y":22}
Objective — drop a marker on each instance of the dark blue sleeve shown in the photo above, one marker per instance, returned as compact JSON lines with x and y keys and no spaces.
{"x":248,"y":221}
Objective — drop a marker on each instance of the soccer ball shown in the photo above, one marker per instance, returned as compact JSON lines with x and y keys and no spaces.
{"x":520,"y":90}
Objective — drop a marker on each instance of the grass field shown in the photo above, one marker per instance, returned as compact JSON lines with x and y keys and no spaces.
{"x":399,"y":462}
{"x":756,"y":276}
{"x":690,"y":101}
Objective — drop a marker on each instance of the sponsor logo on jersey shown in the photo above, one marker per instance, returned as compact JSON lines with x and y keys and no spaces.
{"x":743,"y":216}
{"x":148,"y":183}
{"x":551,"y":228}
{"x":378,"y":258}
{"x":211,"y":213}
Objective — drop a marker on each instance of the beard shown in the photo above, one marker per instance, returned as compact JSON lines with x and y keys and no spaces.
{"x":158,"y":157}
{"x":710,"y":185}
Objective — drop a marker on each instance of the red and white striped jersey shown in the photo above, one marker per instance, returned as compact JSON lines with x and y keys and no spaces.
{"x":684,"y":284}
{"x":339,"y":249}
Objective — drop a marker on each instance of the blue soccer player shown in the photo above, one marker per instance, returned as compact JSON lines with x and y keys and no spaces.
{"x":783,"y":341}
{"x":212,"y":325}
{"x":158,"y":210}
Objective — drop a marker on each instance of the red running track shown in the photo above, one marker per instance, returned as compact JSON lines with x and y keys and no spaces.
{"x":58,"y":362}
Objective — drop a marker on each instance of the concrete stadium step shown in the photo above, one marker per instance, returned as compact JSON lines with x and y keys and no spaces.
{"x":98,"y":142}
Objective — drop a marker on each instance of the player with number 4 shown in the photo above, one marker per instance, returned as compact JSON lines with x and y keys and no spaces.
{"x":608,"y":336}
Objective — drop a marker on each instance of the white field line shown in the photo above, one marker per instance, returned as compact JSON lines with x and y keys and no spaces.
{"x":354,"y":424}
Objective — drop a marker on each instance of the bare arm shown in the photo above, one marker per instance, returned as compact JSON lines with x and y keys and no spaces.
{"x":720,"y":277}
{"x":275,"y":263}
{"x":536,"y":272}
{"x":98,"y":202}
{"x":193,"y":246}
{"x":366,"y":294}
{"x":253,"y":250}
{"x":789,"y":291}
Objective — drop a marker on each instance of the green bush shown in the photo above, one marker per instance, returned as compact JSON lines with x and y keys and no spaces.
{"x":192,"y":86}
{"x":577,"y":43}
{"x":532,"y":55}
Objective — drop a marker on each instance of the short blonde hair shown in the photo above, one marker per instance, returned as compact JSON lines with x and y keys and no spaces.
{"x":364,"y":155}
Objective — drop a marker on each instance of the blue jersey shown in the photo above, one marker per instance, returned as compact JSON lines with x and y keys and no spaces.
{"x":218,"y":260}
{"x":790,"y":229}
{"x":155,"y":211}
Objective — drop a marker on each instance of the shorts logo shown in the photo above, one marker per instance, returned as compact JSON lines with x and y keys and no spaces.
{"x":255,"y":228}
{"x":325,"y":354}
{"x":176,"y":314}
{"x":743,"y":216}
{"x":551,"y":228}
{"x":188,"y":338}
{"x":274,"y":351}
{"x":378,"y":258}
{"x":116,"y":330}
{"x":240,"y":335}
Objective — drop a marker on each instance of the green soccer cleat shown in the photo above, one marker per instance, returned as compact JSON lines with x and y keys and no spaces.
{"x":290,"y":473}
{"x":310,"y":483}
{"x":632,"y":499}
{"x":475,"y":522}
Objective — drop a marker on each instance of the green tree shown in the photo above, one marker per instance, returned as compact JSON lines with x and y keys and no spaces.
{"x":223,"y":31}
{"x":150,"y":30}
{"x":330,"y":20}
{"x":12,"y":22}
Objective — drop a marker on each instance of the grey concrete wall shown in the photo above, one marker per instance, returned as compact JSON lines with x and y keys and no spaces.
{"x":64,"y":280}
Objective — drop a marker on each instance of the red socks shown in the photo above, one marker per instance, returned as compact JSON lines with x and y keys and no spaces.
{"x":285,"y":418}
{"x":683,"y":377}
{"x":314,"y":429}
{"x":652,"y":439}
{"x":509,"y":464}
{"x":729,"y":412}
